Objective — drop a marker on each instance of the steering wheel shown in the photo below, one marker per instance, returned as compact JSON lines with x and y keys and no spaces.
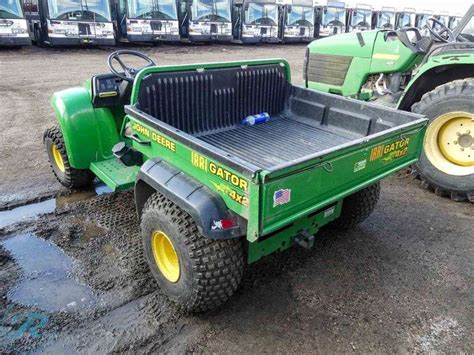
{"x":128,"y":73}
{"x":437,"y":34}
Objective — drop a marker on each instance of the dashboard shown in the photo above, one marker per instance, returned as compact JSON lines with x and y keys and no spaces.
{"x":106,"y":90}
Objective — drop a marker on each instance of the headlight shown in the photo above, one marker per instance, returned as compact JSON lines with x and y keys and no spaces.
{"x":137,"y":29}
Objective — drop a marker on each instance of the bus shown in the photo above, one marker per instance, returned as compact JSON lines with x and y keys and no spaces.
{"x":70,"y":22}
{"x":360,"y":18}
{"x":206,"y":20}
{"x":384,"y":19}
{"x":147,"y":21}
{"x":257,"y":21}
{"x":422,"y":17}
{"x":298,"y":21}
{"x":13,"y":29}
{"x":331,"y":19}
{"x":405,"y":18}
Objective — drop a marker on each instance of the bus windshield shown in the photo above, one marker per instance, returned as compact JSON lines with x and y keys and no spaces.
{"x":386,"y":20}
{"x":361,"y":17}
{"x":405,"y":20}
{"x":80,"y":10}
{"x":422,"y":20}
{"x":10,"y":9}
{"x":301,"y":16}
{"x":211,"y":10}
{"x":152,"y":9}
{"x":334,"y":16}
{"x":262,"y":14}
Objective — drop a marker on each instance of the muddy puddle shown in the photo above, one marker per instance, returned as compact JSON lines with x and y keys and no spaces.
{"x":47,"y":280}
{"x":32,"y":211}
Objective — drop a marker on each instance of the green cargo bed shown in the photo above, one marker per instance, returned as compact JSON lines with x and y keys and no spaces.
{"x":318,"y":147}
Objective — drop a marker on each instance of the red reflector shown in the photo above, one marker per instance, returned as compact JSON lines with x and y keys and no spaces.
{"x":222,"y":224}
{"x":227,"y":223}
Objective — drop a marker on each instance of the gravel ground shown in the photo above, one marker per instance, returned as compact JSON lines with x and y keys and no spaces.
{"x":400,"y":282}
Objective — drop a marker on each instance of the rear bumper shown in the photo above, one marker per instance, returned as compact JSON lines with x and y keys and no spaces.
{"x":81,"y":41}
{"x":210,"y":38}
{"x":153,"y":38}
{"x":15,"y":41}
{"x":256,"y":39}
{"x":297,"y":39}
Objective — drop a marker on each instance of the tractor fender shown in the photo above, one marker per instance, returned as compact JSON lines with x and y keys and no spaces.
{"x":89,"y":134}
{"x":204,"y":205}
{"x":433,"y":74}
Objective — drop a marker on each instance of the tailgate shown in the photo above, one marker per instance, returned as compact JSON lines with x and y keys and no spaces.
{"x":295,"y":191}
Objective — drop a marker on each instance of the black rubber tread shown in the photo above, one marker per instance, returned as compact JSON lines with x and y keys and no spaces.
{"x":70,"y":178}
{"x":216,"y":266}
{"x":445,"y":185}
{"x":357,"y":207}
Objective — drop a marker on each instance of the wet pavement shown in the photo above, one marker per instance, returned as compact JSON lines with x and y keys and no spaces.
{"x":73,"y":280}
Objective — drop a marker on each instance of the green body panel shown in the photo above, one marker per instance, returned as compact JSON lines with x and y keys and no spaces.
{"x":373,"y":57}
{"x":442,"y":60}
{"x":89,"y":133}
{"x":346,"y":44}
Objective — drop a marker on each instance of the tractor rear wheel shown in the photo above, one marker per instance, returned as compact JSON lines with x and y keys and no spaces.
{"x":357,"y":207}
{"x":447,"y":162}
{"x":197,"y":273}
{"x":56,"y":149}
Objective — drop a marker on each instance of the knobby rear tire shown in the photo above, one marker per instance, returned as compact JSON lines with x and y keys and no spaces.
{"x":357,"y":207}
{"x":210,"y":270}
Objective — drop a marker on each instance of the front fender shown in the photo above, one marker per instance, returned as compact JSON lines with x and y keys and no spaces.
{"x":89,"y":134}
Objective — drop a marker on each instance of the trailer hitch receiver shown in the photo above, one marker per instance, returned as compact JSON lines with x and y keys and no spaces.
{"x":305,"y":239}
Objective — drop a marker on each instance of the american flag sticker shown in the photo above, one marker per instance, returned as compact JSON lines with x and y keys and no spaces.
{"x":282,"y":196}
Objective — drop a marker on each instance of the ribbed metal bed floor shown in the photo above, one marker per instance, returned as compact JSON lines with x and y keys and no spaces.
{"x":278,"y":141}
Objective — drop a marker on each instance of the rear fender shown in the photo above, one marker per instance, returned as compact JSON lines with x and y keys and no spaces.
{"x":89,"y":134}
{"x":437,"y":71}
{"x":204,"y":205}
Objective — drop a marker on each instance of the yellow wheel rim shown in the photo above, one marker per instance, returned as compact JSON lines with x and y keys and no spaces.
{"x":165,"y":256}
{"x":58,"y":159}
{"x":449,"y":143}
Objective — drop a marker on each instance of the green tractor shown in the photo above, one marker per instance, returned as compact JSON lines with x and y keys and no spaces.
{"x":429,"y":72}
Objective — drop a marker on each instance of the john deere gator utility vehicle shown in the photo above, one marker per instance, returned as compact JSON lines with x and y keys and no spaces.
{"x":429,"y":72}
{"x":210,"y":191}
